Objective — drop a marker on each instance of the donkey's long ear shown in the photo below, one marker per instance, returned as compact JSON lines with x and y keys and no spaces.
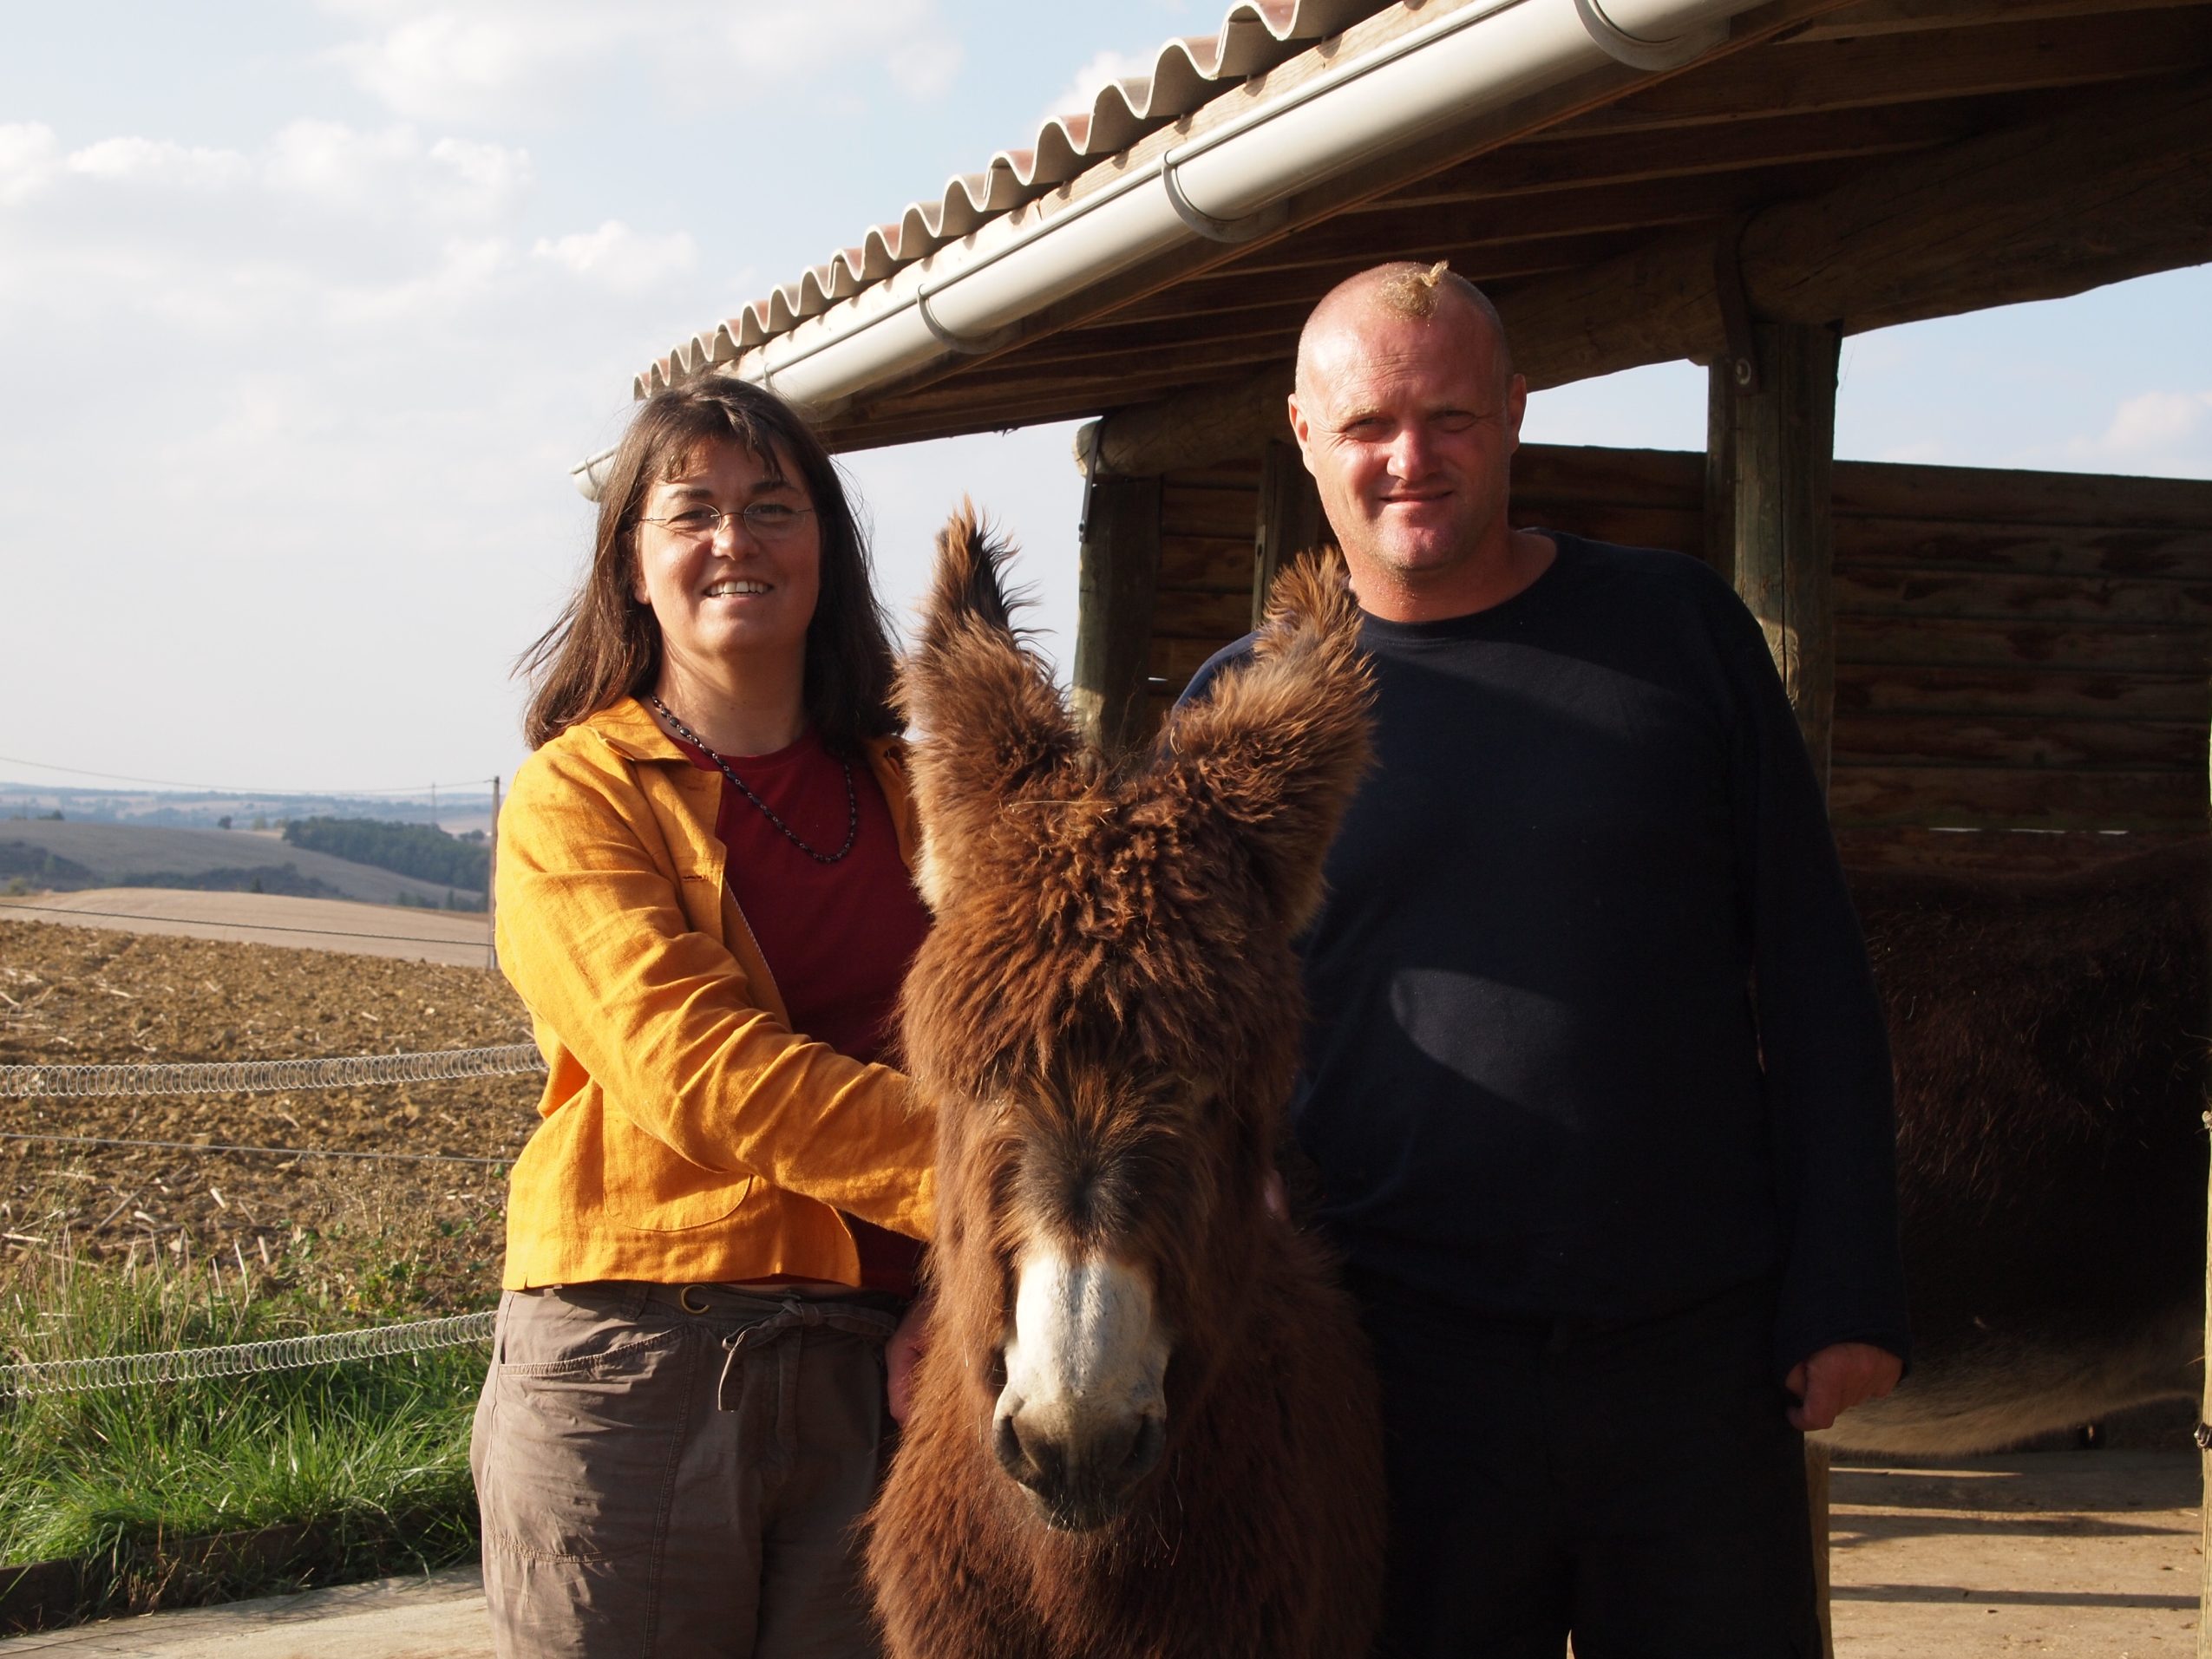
{"x":1279,"y":744}
{"x":987,"y":724}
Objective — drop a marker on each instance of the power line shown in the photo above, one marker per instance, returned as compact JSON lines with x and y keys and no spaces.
{"x":266,"y":1152}
{"x":251,"y":927}
{"x":229,"y":789}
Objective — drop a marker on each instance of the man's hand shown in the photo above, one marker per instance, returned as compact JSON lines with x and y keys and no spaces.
{"x":899,"y":1353}
{"x":1836,"y":1379}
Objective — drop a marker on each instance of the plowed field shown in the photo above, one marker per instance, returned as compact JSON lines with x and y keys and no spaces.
{"x":384,"y":1234}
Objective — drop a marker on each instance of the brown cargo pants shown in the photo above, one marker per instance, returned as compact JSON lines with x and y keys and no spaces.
{"x":668,"y":1472}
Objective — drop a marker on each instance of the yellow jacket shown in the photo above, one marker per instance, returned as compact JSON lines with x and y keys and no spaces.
{"x":688,"y":1135}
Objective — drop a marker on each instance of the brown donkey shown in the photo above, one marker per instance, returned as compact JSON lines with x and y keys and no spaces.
{"x":1144,"y":1424}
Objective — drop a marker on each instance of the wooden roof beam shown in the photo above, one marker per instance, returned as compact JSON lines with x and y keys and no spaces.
{"x":2016,"y":55}
{"x":1914,"y":16}
{"x":1546,"y":162}
{"x":2117,"y":188}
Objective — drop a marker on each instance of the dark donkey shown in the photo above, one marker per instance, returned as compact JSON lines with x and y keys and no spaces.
{"x":1144,"y":1423}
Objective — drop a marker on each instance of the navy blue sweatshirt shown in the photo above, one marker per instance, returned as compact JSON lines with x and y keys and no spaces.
{"x":1593,"y":1031}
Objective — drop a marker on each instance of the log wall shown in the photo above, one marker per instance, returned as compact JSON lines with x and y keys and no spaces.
{"x":1208,"y":522}
{"x":2015,"y":651}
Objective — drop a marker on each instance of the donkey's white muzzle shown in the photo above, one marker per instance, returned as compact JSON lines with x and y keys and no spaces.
{"x":1083,"y":1417}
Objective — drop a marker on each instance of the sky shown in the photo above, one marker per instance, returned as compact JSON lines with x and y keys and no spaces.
{"x":307,"y":308}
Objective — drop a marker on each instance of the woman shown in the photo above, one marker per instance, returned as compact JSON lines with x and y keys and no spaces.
{"x":703,"y":899}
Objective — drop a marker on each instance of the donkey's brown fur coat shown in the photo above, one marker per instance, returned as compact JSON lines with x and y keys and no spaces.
{"x":1107,"y":1015}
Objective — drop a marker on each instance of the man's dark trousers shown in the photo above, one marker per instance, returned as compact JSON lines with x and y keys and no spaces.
{"x":1634,"y":1481}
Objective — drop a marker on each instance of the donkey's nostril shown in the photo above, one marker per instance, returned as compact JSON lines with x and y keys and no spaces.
{"x":1145,"y":1449}
{"x":1036,"y":1461}
{"x":1006,"y":1447}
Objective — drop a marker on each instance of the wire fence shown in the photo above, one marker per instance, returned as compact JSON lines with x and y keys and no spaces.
{"x":242,"y":1359}
{"x":247,"y":1077}
{"x":264,"y":1152}
{"x":253,"y":1076}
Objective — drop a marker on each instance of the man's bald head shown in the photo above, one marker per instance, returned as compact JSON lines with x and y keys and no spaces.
{"x":1407,"y":413}
{"x":1406,"y":289}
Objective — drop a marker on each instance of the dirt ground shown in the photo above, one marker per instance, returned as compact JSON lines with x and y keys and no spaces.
{"x":2076,"y":1555}
{"x":2093,"y":1554}
{"x":420,"y":1234}
{"x":267,"y":918}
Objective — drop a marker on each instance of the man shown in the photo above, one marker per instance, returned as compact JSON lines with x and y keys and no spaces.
{"x":1597,"y":1087}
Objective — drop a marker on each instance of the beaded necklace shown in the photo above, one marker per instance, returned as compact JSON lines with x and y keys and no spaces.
{"x":852,"y":796}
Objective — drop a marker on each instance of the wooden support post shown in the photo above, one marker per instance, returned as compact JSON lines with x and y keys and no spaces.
{"x":1290,"y":519}
{"x":1769,"y":451}
{"x":2204,"y":1454}
{"x":1772,"y":449}
{"x":1120,"y":571}
{"x":1720,"y":469}
{"x":1816,"y":1500}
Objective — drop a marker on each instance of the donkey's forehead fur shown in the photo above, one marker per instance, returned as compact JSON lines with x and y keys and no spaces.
{"x":1152,"y":902}
{"x":1098,"y":927}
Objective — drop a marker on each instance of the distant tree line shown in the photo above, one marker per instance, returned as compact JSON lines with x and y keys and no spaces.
{"x":23,"y":867}
{"x":283,"y":878}
{"x":415,"y":850}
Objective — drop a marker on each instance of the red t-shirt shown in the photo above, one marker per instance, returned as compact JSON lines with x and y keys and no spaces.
{"x":837,"y":937}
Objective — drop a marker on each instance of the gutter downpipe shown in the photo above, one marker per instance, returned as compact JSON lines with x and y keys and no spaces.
{"x":966,"y":296}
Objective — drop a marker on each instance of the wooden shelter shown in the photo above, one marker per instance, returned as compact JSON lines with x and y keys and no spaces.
{"x":1976,"y":650}
{"x":1633,"y":181}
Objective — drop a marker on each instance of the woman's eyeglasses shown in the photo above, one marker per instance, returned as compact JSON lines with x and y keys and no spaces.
{"x":764,"y":520}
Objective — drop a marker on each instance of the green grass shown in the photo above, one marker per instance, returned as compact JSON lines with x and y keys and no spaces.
{"x":370,"y":1457}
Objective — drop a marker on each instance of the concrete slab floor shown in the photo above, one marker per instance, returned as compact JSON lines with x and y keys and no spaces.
{"x":2079,"y":1555}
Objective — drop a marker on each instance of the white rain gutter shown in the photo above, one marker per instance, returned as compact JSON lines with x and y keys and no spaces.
{"x":1225,"y":185}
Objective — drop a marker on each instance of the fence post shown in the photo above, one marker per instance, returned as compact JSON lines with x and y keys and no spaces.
{"x":491,"y":886}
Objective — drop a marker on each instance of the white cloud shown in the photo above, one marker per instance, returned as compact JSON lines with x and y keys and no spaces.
{"x":809,"y":37}
{"x":444,"y":64}
{"x":1081,"y":91}
{"x":320,"y":227}
{"x":489,"y":168}
{"x":617,"y":257}
{"x":28,"y":152}
{"x":159,"y":161}
{"x":2155,"y":424}
{"x":347,"y":167}
{"x":497,"y":59}
{"x":928,"y":68}
{"x":468,"y":270}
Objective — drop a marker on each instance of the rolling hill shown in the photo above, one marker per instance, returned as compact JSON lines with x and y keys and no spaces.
{"x":66,"y":855}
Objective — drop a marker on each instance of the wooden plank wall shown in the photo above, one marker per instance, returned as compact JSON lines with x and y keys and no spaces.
{"x":1208,"y":521}
{"x":2015,"y":651}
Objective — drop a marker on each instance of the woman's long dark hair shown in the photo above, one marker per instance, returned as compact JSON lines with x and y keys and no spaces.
{"x":607,"y":646}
